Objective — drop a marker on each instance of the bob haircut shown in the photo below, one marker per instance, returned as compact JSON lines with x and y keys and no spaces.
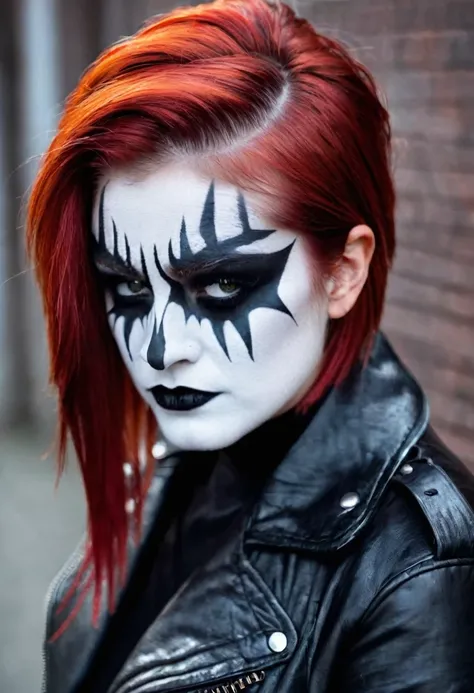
{"x":256,"y":97}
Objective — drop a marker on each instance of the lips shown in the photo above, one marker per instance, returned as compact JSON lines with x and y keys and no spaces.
{"x":181,"y":398}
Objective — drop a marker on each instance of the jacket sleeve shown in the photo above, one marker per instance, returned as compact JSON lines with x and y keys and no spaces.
{"x":417,"y":637}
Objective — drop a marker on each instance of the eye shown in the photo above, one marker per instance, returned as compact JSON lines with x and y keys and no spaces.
{"x":133,"y":288}
{"x":224,"y":288}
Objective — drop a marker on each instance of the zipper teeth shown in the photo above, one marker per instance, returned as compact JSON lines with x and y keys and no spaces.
{"x":64,"y":573}
{"x":239,"y":684}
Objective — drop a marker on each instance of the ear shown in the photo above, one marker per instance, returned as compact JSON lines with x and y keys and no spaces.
{"x":351,"y":271}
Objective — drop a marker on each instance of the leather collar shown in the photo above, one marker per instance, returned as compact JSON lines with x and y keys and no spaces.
{"x":349,"y":452}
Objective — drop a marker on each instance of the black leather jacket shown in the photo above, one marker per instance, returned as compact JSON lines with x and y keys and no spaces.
{"x":354,"y":573}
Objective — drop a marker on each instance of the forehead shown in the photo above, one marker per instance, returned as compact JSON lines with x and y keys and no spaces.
{"x":151,"y":206}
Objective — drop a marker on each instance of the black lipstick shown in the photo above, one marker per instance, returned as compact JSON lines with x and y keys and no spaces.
{"x":181,"y":398}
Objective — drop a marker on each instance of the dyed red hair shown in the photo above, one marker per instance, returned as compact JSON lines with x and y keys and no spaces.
{"x":267,"y":104}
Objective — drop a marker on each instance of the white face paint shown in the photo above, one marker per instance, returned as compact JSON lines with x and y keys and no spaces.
{"x":212,"y":309}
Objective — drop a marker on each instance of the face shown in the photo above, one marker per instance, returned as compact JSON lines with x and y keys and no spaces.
{"x":212,"y":308}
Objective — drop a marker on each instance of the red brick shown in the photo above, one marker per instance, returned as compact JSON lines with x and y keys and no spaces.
{"x":431,"y":329}
{"x":430,"y":298}
{"x":434,"y":269}
{"x":462,"y":445}
{"x":458,"y":413}
{"x":414,"y":209}
{"x":427,"y":87}
{"x":438,"y":240}
{"x":457,"y":186}
{"x":434,"y":50}
{"x":395,"y":16}
{"x":447,"y":382}
{"x":432,"y":358}
{"x":447,"y":123}
{"x":422,"y":156}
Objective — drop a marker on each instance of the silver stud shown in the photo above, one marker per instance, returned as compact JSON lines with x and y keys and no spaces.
{"x":406,"y":469}
{"x":277,"y":642}
{"x":128,"y":470}
{"x":349,"y":501}
{"x":159,"y":450}
{"x":130,"y":506}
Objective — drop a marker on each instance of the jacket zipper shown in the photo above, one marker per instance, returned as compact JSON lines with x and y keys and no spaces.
{"x":238,"y":685}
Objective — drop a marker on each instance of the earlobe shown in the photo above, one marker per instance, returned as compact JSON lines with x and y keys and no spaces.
{"x":351,"y":272}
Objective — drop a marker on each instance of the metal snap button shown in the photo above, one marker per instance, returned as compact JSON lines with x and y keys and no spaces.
{"x":159,"y":450}
{"x":277,"y":642}
{"x":406,"y":469}
{"x":349,"y":501}
{"x":128,"y":470}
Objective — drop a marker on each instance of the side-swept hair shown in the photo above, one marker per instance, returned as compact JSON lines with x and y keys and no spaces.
{"x":256,"y":96}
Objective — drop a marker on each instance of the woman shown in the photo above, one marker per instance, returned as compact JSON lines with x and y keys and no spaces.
{"x":221,"y":182}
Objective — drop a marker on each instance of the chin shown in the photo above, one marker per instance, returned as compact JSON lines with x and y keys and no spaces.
{"x":198,"y":440}
{"x":190,"y":433}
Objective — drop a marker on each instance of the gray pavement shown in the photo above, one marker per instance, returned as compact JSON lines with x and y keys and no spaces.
{"x":39,"y":527}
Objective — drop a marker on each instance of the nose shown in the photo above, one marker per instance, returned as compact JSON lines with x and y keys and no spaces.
{"x":174,"y":345}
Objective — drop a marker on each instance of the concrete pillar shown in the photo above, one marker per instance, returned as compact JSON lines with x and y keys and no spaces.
{"x":15,"y":367}
{"x":40,"y":108}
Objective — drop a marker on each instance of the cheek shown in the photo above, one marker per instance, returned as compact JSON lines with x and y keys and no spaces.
{"x":303,"y":336}
{"x":131,"y":353}
{"x":278,"y":338}
{"x":288,"y":352}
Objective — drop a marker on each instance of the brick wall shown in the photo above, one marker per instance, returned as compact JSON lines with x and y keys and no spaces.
{"x":422,"y":53}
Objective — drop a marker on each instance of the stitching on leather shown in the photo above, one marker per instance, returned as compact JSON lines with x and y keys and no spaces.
{"x":405,"y":576}
{"x":240,"y":566}
{"x":144,"y":669}
{"x":251,"y":572}
{"x":461,"y":497}
{"x":245,"y":564}
{"x":465,"y":508}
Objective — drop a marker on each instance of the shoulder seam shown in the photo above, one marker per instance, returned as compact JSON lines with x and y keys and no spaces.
{"x":420,"y":568}
{"x":445,"y":508}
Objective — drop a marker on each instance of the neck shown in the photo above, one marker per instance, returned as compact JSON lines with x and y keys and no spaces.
{"x":261,"y":450}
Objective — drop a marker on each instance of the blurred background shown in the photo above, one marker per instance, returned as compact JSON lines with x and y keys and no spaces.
{"x":422,"y":53}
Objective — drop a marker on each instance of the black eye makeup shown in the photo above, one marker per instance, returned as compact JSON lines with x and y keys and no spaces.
{"x":133,"y":288}
{"x":216,"y":282}
{"x":223,"y":290}
{"x":135,"y":294}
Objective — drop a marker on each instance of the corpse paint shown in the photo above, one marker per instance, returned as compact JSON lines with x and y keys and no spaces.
{"x":256,"y":274}
{"x":213,"y":308}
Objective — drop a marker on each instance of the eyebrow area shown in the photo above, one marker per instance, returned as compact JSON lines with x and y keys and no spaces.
{"x":213,"y":265}
{"x":113,"y":265}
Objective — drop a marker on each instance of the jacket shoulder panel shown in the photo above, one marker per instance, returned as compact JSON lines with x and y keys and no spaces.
{"x":427,"y":479}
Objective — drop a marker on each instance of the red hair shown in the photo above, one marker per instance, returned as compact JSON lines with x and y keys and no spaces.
{"x":267,"y":104}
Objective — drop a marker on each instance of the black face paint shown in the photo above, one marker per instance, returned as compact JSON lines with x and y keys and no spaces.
{"x":263,"y":270}
{"x":256,"y":274}
{"x":115,"y":270}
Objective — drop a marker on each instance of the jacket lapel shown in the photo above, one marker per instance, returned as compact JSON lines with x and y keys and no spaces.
{"x":216,"y":628}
